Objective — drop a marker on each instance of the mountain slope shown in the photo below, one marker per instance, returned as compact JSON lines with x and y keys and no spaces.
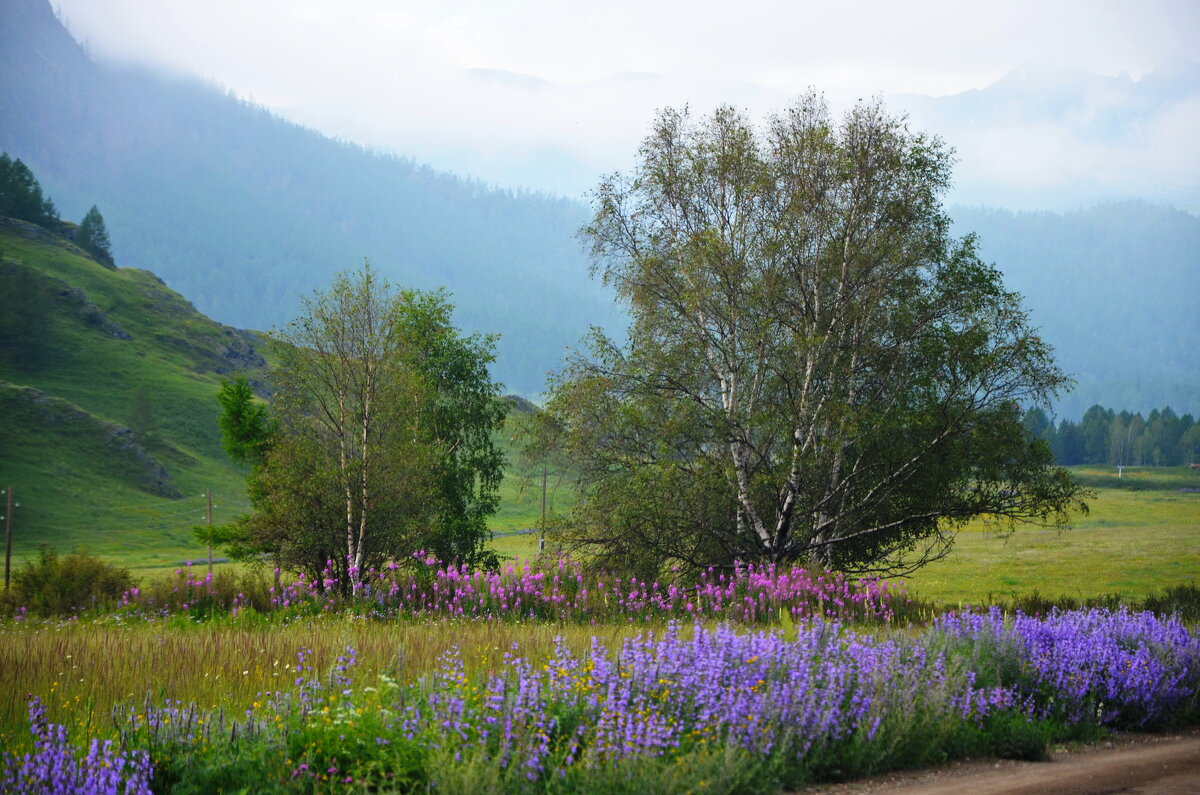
{"x":244,"y":212}
{"x":1113,"y":289}
{"x":108,"y":383}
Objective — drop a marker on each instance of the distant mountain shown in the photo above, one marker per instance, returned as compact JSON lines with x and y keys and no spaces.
{"x":1053,"y":137}
{"x":244,"y":212}
{"x":1114,"y":290}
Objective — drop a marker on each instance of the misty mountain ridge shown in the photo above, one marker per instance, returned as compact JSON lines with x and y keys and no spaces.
{"x":243,"y":212}
{"x":1039,"y":137}
{"x":1045,"y":137}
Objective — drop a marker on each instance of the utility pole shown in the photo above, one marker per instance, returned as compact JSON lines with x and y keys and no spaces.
{"x":8,"y":517}
{"x":208,"y":494}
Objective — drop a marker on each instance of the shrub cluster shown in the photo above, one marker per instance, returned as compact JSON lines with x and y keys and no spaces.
{"x":74,"y":583}
{"x":539,"y":588}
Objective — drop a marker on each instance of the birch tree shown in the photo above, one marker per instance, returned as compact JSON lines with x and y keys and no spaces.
{"x":815,"y":369}
{"x":378,"y":439}
{"x":341,"y":386}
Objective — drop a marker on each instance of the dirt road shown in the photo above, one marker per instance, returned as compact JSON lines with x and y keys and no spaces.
{"x":1164,"y":764}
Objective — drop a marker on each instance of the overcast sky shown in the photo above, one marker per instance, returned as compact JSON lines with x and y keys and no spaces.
{"x":439,"y":80}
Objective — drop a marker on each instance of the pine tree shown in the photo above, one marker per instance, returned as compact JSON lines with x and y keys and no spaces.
{"x":21,"y":195}
{"x":93,"y":238}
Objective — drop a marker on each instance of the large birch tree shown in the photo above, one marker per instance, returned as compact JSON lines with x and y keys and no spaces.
{"x":816,"y":369}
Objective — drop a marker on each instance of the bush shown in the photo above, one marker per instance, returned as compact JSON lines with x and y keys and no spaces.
{"x":60,"y":586}
{"x":201,"y":594}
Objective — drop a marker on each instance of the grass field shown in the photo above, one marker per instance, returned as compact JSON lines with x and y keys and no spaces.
{"x":1134,"y":542}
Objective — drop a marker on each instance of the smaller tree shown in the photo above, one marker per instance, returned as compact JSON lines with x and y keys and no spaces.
{"x":380,"y":438}
{"x":93,"y":238}
{"x":246,"y":428}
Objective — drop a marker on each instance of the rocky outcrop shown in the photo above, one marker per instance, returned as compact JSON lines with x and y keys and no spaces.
{"x":89,"y":313}
{"x":114,"y":447}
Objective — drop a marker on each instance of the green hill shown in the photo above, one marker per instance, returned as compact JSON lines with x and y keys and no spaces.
{"x":244,"y":212}
{"x":108,"y":383}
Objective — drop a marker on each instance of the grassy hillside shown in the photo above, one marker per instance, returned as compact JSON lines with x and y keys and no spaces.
{"x":109,"y":382}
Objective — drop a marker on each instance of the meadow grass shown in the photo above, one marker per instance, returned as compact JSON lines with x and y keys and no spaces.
{"x":712,"y":709}
{"x":81,"y":669}
{"x":1133,"y":543}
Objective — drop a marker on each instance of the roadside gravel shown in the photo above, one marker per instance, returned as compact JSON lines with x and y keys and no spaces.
{"x":1158,"y":764}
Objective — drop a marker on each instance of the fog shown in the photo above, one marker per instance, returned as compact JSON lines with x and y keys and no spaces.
{"x":551,"y":95}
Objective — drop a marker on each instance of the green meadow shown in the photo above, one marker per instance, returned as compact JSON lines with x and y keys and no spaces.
{"x":1141,"y":536}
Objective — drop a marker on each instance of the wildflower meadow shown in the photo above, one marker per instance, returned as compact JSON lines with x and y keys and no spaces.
{"x":545,"y":677}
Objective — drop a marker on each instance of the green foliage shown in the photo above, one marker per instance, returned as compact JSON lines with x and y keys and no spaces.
{"x":56,"y":585}
{"x":1104,"y":436}
{"x":461,"y":412}
{"x":329,"y":754}
{"x":816,"y":369}
{"x":21,"y":195}
{"x":93,"y":238}
{"x":384,"y":441}
{"x":246,"y":428}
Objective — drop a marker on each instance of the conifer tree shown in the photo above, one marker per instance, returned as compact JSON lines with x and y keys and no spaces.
{"x":21,"y":195}
{"x":93,"y":237}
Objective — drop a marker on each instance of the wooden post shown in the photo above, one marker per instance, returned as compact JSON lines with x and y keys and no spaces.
{"x":8,"y":517}
{"x":208,"y":494}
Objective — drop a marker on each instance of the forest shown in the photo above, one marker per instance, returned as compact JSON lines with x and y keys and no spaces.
{"x":1124,"y":438}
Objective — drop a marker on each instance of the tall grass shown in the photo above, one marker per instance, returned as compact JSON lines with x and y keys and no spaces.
{"x":82,"y":668}
{"x":706,"y":709}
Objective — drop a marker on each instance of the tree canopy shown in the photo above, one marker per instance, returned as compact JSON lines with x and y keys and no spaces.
{"x":379,"y":439}
{"x":1124,"y":438}
{"x":816,"y":369}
